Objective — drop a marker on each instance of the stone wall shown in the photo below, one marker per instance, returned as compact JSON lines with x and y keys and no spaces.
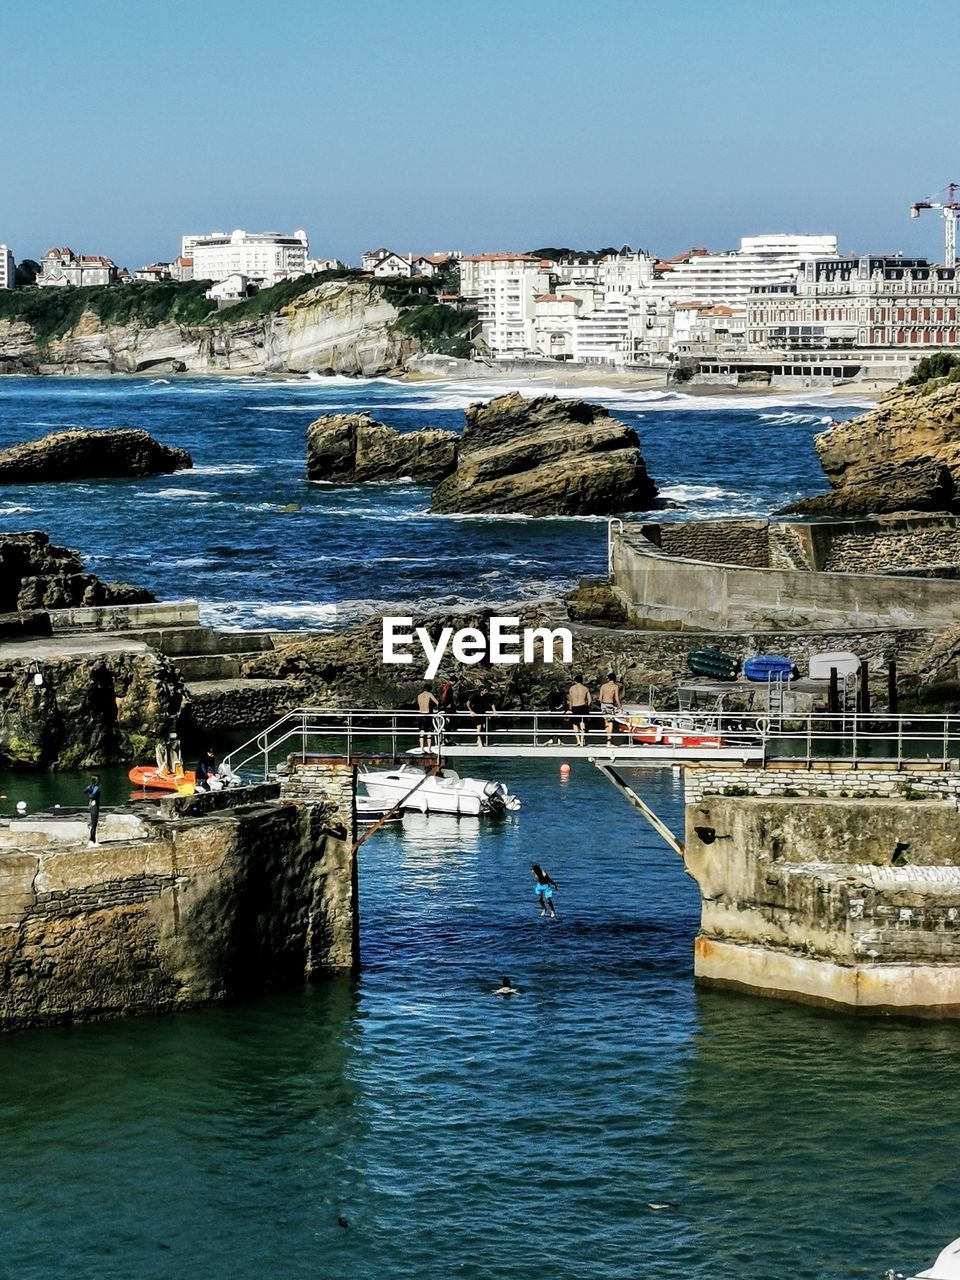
{"x":743,"y":542}
{"x":196,"y":909}
{"x":835,"y":779}
{"x":901,"y":550}
{"x":852,"y":903}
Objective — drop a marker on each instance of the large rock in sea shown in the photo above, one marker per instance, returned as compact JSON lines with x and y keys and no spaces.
{"x":88,"y":455}
{"x":348,"y":448}
{"x":904,"y":455}
{"x":546,"y":457}
{"x":36,"y":574}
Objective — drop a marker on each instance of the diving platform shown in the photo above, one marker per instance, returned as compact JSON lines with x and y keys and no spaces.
{"x":641,"y":738}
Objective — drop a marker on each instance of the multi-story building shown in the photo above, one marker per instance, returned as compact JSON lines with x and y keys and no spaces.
{"x":263,"y":256}
{"x":867,"y":303}
{"x":61,"y":267}
{"x":504,"y":287}
{"x":699,"y":276}
{"x":154,"y":273}
{"x":8,"y":268}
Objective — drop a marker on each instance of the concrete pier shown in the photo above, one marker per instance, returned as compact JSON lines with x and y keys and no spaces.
{"x":847,"y":901}
{"x":186,"y":902}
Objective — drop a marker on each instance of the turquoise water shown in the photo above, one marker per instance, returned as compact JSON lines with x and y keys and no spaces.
{"x":464,"y":1135}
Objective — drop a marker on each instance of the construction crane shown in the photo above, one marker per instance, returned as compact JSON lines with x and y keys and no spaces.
{"x":951,"y":212}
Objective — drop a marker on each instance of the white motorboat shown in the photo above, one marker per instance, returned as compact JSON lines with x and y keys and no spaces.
{"x":444,"y":792}
{"x":946,"y":1267}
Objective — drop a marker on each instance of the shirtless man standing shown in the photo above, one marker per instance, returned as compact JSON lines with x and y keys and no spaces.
{"x":578,"y":704}
{"x":426,"y":705}
{"x":609,"y":704}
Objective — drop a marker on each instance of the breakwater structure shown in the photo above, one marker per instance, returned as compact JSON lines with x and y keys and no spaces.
{"x":895,"y":571}
{"x":183,"y":902}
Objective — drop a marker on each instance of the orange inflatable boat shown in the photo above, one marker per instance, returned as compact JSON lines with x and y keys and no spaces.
{"x":149,"y":778}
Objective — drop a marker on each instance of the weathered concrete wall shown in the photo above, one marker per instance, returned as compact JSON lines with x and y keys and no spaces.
{"x":195,"y":909}
{"x":743,"y":542}
{"x":802,"y":898}
{"x":663,"y":591}
{"x":127,"y":617}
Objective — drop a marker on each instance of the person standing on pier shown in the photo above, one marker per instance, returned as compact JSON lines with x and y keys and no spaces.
{"x":93,"y":805}
{"x":610,"y":704}
{"x":578,"y":703}
{"x":426,"y":704}
{"x":481,"y":707}
{"x":544,"y":888}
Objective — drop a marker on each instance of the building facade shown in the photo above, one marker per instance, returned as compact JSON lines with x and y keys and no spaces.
{"x":699,"y":276}
{"x":60,"y":267}
{"x":859,"y":303}
{"x":8,"y":268}
{"x":504,"y":287}
{"x":263,"y":256}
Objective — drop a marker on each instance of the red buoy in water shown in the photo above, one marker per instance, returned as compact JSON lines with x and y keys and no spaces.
{"x":564,"y":770}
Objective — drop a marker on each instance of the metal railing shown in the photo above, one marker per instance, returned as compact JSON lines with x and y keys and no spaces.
{"x":856,"y":739}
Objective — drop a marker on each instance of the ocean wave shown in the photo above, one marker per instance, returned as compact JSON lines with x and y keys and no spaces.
{"x":16,"y":511}
{"x":227,"y":469}
{"x":173,"y":493}
{"x":696,"y":492}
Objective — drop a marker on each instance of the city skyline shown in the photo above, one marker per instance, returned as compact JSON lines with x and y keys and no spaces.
{"x":500,"y":128}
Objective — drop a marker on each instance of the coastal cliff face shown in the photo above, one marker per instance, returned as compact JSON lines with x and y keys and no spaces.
{"x":904,"y":455}
{"x":353,"y":448}
{"x":338,"y":327}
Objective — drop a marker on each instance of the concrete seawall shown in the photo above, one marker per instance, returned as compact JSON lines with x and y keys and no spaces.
{"x":171,"y":911}
{"x":845,"y":902}
{"x":719,"y":575}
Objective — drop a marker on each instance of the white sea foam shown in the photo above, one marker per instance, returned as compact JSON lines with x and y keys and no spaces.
{"x":173,"y":493}
{"x":16,"y":511}
{"x":696,"y":492}
{"x":228,"y":469}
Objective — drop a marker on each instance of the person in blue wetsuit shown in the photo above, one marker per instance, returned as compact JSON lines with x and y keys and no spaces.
{"x":544,"y":890}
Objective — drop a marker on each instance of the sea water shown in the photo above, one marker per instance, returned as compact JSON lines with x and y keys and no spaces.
{"x":456,"y":1133}
{"x":222,"y":532}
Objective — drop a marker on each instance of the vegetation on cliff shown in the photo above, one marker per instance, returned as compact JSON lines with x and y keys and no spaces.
{"x":269,"y":301}
{"x":941,"y":367}
{"x":53,"y":313}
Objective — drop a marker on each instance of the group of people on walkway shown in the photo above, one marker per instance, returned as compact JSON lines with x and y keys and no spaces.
{"x":479,"y":707}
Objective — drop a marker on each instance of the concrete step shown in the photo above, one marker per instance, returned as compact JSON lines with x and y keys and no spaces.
{"x":196,"y":641}
{"x":210,"y":666}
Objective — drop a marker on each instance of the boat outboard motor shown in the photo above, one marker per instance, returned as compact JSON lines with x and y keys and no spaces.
{"x":494,"y":797}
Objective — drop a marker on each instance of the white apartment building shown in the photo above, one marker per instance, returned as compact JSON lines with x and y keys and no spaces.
{"x":699,"y":276}
{"x":265,"y":256}
{"x":8,"y":268}
{"x":504,"y":288}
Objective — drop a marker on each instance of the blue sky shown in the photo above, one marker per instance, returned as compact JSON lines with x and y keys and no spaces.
{"x":432,"y":124}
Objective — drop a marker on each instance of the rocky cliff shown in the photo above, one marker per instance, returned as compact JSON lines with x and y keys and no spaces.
{"x":85,"y":454}
{"x":352,"y":448}
{"x":337,"y":327}
{"x":904,"y":455}
{"x":545,"y":456}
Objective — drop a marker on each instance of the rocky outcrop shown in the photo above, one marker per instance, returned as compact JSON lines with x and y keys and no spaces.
{"x":341,"y":326}
{"x":350,"y":448}
{"x":35,"y":574}
{"x":90,"y":709}
{"x":84,"y":455}
{"x":904,"y":455}
{"x":544,"y":457}
{"x":346,"y":668}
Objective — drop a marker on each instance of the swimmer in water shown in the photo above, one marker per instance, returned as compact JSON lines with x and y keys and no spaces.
{"x":506,"y":988}
{"x":544,"y":890}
